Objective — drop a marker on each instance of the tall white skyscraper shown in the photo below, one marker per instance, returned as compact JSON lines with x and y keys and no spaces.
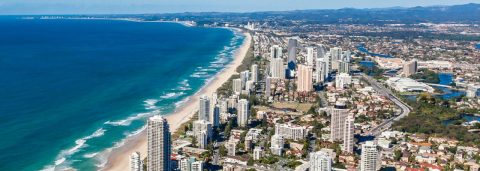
{"x":276,"y":144}
{"x":159,"y":148}
{"x":320,"y":161}
{"x":310,"y":56}
{"x":242,"y":112}
{"x":304,"y":80}
{"x":320,"y":71}
{"x":254,"y":73}
{"x":275,"y":52}
{"x":338,"y":114}
{"x":135,"y":162}
{"x":348,"y":133}
{"x":370,"y":157}
{"x":344,"y":67}
{"x":328,"y":61}
{"x":342,"y":80}
{"x":277,"y":68}
{"x":237,"y":86}
{"x":202,"y":131}
{"x":204,"y":108}
{"x":244,"y":76}
{"x":336,"y":56}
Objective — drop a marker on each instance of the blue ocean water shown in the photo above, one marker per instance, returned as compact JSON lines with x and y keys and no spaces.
{"x":70,"y":89}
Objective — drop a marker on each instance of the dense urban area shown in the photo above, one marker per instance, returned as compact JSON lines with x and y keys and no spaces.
{"x":323,"y":96}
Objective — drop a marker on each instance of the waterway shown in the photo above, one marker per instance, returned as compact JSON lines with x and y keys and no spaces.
{"x":445,"y":79}
{"x":362,"y":48}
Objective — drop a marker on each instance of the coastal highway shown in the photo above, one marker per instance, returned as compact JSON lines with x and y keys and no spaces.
{"x":404,"y":108}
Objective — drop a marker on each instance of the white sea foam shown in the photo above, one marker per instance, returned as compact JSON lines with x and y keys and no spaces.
{"x":90,"y":155}
{"x":128,"y":121}
{"x":150,"y":103}
{"x":199,"y":75}
{"x":79,"y":143}
{"x":172,"y":95}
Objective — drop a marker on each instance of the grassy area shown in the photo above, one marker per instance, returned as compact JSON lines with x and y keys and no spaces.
{"x":303,"y":107}
{"x":427,"y":76}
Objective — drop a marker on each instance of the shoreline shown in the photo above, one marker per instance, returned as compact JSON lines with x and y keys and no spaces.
{"x":119,"y":157}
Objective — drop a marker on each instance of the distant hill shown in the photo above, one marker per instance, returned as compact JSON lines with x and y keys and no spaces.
{"x":467,"y":13}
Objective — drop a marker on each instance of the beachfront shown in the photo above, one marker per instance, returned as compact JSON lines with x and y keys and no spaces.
{"x":119,"y":158}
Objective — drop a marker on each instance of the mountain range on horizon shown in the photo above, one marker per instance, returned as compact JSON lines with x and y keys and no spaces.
{"x":466,"y":13}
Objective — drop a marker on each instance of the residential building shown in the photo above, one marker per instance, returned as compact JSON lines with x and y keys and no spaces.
{"x":349,"y":131}
{"x":370,"y":157}
{"x":338,"y":115}
{"x":159,"y":148}
{"x":277,"y":68}
{"x":204,"y":108}
{"x":135,"y":162}
{"x":304,"y":80}
{"x":320,"y":161}
{"x":243,"y":112}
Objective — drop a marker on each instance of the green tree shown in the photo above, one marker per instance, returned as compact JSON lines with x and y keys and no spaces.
{"x":397,"y":155}
{"x":250,"y":161}
{"x":222,"y":151}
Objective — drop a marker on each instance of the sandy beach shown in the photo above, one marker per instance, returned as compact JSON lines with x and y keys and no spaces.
{"x":119,"y":157}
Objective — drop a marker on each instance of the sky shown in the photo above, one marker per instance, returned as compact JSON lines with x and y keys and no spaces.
{"x":14,"y":7}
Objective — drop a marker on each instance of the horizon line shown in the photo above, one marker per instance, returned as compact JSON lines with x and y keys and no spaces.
{"x":239,"y":12}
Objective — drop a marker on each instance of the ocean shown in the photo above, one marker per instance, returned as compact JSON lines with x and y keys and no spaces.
{"x":72,"y":89}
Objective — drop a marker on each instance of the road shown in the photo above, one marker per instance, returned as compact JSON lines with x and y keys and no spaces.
{"x":404,"y":108}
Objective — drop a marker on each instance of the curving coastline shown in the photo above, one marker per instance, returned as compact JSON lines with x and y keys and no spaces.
{"x":119,"y":157}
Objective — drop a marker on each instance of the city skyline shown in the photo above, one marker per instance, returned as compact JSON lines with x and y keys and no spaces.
{"x":58,"y":7}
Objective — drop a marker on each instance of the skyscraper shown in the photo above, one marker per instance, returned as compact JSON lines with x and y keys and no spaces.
{"x":310,"y":58}
{"x":321,"y":52}
{"x":135,"y":162}
{"x":328,"y":61}
{"x":338,"y":114}
{"x":244,"y":76}
{"x":159,"y":148}
{"x":349,"y":131}
{"x":342,"y":80}
{"x":212,"y":115}
{"x":277,"y":69}
{"x":268,"y":86}
{"x":242,"y":112}
{"x":320,"y":161}
{"x":203,"y":131}
{"x":255,"y":73}
{"x":370,"y":157}
{"x":237,"y":86}
{"x":292,"y":54}
{"x":275,"y":52}
{"x":304,"y":80}
{"x":215,"y":116}
{"x":276,"y":144}
{"x":320,"y":71}
{"x":336,"y":53}
{"x":204,"y":108}
{"x":344,"y":63}
{"x":410,"y":68}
